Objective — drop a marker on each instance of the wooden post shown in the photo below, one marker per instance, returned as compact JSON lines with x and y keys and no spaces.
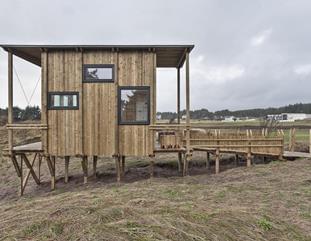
{"x":44,"y":99}
{"x":54,"y":171}
{"x":22,"y":177}
{"x":236,"y":159}
{"x":292,"y":139}
{"x":85,"y":166}
{"x":185,"y":168}
{"x":249,"y":154}
{"x":10,"y":101}
{"x":180,"y":163}
{"x":118,"y":171}
{"x":208,"y":161}
{"x":310,"y":141}
{"x":122,"y":166}
{"x":39,"y":167}
{"x":67,"y":158}
{"x":152,"y":157}
{"x":217,"y":160}
{"x":94,"y":166}
{"x":187,"y":104}
{"x":116,"y":124}
{"x":178,"y":95}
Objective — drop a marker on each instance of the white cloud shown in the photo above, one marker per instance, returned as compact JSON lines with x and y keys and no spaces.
{"x":261,"y":37}
{"x":303,"y":69}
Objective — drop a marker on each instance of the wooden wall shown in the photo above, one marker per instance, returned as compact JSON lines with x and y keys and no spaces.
{"x":99,"y":109}
{"x":136,"y":69}
{"x":93,"y":129}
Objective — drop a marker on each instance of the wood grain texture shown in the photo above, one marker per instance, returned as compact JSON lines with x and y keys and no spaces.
{"x":65,"y":135}
{"x":93,"y":129}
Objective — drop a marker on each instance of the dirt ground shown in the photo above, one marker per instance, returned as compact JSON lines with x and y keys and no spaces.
{"x":269,"y":201}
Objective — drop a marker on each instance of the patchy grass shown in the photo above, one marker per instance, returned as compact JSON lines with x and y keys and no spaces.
{"x":265,"y":202}
{"x":265,"y":224}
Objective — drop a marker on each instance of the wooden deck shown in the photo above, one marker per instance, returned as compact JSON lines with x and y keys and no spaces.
{"x":31,"y":147}
{"x":292,"y":154}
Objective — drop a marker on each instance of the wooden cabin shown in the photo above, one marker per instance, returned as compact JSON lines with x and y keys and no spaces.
{"x":100,"y":101}
{"x":97,"y":100}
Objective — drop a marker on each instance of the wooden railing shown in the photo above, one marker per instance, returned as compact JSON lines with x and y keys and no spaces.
{"x":256,"y":142}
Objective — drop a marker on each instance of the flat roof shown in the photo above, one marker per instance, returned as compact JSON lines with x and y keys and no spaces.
{"x":167,"y":55}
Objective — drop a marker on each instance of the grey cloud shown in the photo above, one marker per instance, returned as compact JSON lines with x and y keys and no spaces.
{"x":222,"y":31}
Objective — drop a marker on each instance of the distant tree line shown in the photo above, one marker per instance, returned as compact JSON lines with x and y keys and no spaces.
{"x":34,"y":112}
{"x":250,"y":113}
{"x":19,"y":114}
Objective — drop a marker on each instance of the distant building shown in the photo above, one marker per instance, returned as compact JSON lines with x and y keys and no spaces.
{"x":229,"y":118}
{"x":289,"y":116}
{"x":184,"y":117}
{"x":159,"y":117}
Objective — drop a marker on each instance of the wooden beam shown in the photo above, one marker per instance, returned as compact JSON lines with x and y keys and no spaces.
{"x":217,"y":160}
{"x":30,"y":167}
{"x":187,"y":104}
{"x":116,"y":124}
{"x":16,"y":166}
{"x":39,"y":167}
{"x":30,"y":170}
{"x":53,"y":181}
{"x":67,"y":158}
{"x":186,"y":163}
{"x":208,"y":161}
{"x":118,"y":171}
{"x":21,"y":176}
{"x":94,"y":166}
{"x":51,"y":165}
{"x":44,"y":99}
{"x":249,"y":154}
{"x":180,"y":163}
{"x":178,"y":95}
{"x":85,"y":169}
{"x":122,"y":166}
{"x":10,"y":100}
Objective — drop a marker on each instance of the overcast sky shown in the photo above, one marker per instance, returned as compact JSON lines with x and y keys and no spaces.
{"x":247,"y":53}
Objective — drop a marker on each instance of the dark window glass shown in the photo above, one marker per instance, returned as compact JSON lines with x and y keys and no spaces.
{"x":134,"y":105}
{"x":98,"y":73}
{"x":63,"y":100}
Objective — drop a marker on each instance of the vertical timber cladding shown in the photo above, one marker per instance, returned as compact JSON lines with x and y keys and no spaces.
{"x":137,"y":69}
{"x":99,"y":108}
{"x":64,"y":74}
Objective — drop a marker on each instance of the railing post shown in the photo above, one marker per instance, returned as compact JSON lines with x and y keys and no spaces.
{"x":249,"y":154}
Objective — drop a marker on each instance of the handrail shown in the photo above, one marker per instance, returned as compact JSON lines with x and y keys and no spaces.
{"x":26,"y":126}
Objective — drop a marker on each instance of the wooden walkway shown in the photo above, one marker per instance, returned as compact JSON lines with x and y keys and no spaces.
{"x":292,"y":154}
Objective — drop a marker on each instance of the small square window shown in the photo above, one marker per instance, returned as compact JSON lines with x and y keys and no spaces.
{"x":134,"y":105}
{"x":98,"y":73}
{"x":63,"y":100}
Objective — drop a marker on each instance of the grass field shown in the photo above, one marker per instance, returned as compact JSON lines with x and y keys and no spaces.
{"x":269,"y":201}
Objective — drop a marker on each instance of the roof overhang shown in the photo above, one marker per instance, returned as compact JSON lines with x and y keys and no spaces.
{"x":167,"y":55}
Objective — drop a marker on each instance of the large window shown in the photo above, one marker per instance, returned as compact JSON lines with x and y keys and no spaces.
{"x":134,"y":105}
{"x":63,"y":100}
{"x":98,"y":73}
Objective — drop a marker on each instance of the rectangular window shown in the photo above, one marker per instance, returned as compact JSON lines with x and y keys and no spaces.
{"x":98,"y":73}
{"x":63,"y":100}
{"x":134,"y":105}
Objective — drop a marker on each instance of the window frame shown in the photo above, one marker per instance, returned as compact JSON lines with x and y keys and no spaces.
{"x":86,"y":66}
{"x":62,"y":93}
{"x":120,"y":122}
